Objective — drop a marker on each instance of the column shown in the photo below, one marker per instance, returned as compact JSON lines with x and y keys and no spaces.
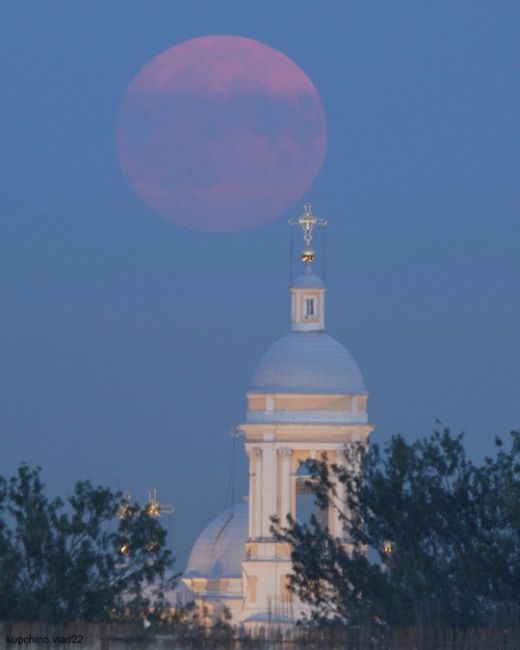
{"x":285,"y":454}
{"x":257,"y":509}
{"x":269,"y":488}
{"x":337,"y":529}
{"x":251,"y":504}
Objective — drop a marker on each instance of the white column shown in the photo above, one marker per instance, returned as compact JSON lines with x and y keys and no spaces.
{"x":251,"y":504}
{"x":257,"y":507}
{"x":269,"y":488}
{"x":285,"y":454}
{"x":340,"y":501}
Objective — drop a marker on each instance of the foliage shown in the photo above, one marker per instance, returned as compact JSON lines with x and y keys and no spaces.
{"x":442,"y":534}
{"x":62,"y":561}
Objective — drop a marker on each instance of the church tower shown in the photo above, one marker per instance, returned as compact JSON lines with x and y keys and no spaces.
{"x":307,"y":398}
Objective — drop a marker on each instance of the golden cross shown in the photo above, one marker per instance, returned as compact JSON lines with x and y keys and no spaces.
{"x":307,"y":221}
{"x":125,"y":509}
{"x":156,"y":509}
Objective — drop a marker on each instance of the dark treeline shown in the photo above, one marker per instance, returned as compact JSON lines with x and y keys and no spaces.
{"x":92,"y":557}
{"x":431,"y":547}
{"x":430,"y":538}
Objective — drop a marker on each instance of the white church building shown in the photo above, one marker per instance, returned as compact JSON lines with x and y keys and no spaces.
{"x":306,"y":398}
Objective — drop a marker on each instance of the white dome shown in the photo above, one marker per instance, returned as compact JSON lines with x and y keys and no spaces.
{"x":308,"y":280}
{"x":307,"y":362}
{"x":219,"y":549}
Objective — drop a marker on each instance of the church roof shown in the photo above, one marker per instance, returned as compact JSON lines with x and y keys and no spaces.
{"x":308,"y":280}
{"x":307,"y":362}
{"x":219,"y":549}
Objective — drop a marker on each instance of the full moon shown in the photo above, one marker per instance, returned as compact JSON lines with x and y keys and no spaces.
{"x":221,"y":133}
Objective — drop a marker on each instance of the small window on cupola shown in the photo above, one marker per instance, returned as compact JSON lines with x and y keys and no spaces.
{"x":310,"y":308}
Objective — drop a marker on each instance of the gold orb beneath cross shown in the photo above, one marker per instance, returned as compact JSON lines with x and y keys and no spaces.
{"x":307,"y":255}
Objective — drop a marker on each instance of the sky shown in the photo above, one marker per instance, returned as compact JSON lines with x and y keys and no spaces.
{"x":127,"y":343}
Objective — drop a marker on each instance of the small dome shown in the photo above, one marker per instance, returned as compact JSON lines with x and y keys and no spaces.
{"x":308,"y":280}
{"x":307,"y":362}
{"x":219,"y":549}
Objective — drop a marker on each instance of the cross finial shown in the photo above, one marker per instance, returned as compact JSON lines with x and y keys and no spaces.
{"x":156,"y":509}
{"x":125,"y":508}
{"x":307,"y":221}
{"x":152,"y":508}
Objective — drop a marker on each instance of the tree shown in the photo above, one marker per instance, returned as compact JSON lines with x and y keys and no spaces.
{"x":443,"y":535}
{"x":78,"y":560}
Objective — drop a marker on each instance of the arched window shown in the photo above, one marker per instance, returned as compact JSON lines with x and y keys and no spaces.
{"x":305,"y":499}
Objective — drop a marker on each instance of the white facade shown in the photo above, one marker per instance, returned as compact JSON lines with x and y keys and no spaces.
{"x":307,"y":398}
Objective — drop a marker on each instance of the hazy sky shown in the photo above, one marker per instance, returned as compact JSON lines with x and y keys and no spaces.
{"x":127,"y":343}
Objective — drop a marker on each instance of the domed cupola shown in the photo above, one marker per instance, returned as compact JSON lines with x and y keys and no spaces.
{"x":214,"y":571}
{"x":309,"y":362}
{"x":219,"y":549}
{"x":307,"y":376}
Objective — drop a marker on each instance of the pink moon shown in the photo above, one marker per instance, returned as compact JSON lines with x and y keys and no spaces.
{"x":221,"y":133}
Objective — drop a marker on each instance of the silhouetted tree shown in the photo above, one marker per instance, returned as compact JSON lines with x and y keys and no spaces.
{"x":78,"y":560}
{"x":443,"y":535}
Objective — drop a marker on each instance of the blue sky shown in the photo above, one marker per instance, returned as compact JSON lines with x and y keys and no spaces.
{"x":127,"y":343}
